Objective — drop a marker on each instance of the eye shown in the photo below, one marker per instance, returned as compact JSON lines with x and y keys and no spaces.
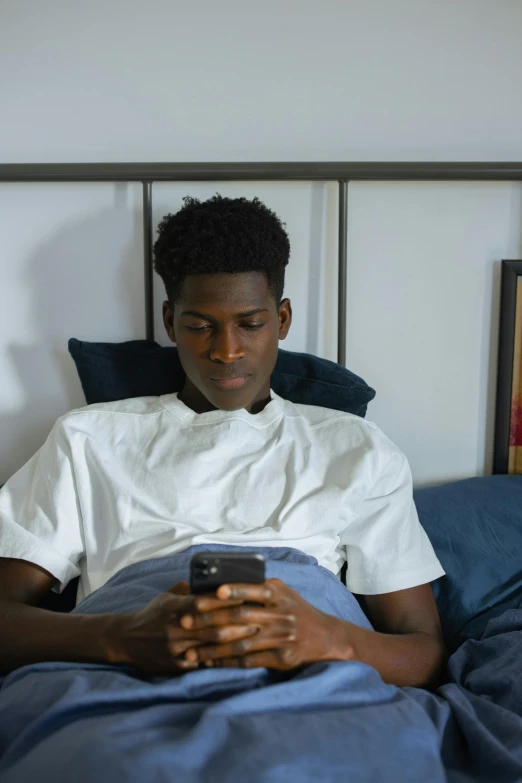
{"x":243,"y":326}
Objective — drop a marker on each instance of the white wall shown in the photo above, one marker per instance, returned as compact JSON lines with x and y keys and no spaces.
{"x":260,"y":80}
{"x":70,"y":266}
{"x":423,"y":308}
{"x":286,"y":80}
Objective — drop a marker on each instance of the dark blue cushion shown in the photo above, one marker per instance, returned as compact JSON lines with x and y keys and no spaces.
{"x":475,"y":526}
{"x":142,"y":368}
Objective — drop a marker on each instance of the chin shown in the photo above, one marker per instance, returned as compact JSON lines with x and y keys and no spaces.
{"x":230,"y":402}
{"x":231,"y":399}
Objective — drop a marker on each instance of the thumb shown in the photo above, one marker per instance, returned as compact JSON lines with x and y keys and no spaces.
{"x":181,"y":588}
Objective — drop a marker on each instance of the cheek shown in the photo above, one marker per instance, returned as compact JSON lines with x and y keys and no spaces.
{"x":267,"y":349}
{"x":189,"y":357}
{"x":191,"y":347}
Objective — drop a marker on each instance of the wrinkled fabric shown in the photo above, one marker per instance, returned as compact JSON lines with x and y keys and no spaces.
{"x":475,"y":526}
{"x":327,"y":722}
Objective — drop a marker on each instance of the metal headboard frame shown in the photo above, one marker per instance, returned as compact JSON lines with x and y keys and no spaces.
{"x":342,"y":173}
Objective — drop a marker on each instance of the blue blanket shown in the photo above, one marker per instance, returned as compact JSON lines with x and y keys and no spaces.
{"x":329,"y":722}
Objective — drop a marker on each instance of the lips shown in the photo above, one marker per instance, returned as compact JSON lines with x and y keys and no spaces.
{"x":230,"y":383}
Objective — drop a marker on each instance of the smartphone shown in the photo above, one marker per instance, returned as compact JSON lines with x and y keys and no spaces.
{"x":209,"y":570}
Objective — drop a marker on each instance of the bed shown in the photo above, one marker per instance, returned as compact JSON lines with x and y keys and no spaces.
{"x":329,"y":721}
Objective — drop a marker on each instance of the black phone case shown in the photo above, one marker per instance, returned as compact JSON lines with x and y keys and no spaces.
{"x":209,"y":570}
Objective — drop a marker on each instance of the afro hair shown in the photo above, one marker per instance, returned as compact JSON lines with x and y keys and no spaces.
{"x":221,"y":235}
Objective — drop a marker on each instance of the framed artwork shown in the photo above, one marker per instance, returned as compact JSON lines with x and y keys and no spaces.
{"x":508,"y":419}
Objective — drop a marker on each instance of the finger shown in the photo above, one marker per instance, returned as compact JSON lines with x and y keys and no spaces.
{"x":263,"y":593}
{"x":182,"y":665}
{"x":238,"y":615}
{"x":207,"y":603}
{"x":178,"y":605}
{"x":224,"y":634}
{"x":181,"y":588}
{"x":240,"y":647}
{"x":179,"y":646}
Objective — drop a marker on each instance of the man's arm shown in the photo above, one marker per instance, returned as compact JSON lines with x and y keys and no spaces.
{"x":406,"y":649}
{"x":150,"y":639}
{"x":29,"y":634}
{"x":407,"y":646}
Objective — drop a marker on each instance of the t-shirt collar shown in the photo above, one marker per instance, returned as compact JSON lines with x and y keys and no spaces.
{"x":272,"y":411}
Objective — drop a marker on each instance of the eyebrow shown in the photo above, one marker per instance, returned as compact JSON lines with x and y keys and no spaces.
{"x":237,"y":315}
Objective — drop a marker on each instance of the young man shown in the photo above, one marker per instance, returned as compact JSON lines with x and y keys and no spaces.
{"x":226,"y":461}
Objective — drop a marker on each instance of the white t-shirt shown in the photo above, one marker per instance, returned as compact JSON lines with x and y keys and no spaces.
{"x":121,"y":482}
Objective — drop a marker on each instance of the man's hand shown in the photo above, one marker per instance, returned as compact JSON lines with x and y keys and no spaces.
{"x":290,"y":631}
{"x":177,"y":632}
{"x":152,"y":639}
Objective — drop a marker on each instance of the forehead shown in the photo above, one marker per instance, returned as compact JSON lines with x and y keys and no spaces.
{"x":226,"y":292}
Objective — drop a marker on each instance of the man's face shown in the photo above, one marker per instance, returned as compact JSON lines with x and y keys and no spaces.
{"x":227,"y":327}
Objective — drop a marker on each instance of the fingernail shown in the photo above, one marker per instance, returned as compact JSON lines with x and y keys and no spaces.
{"x":187,"y":621}
{"x":209,"y":664}
{"x":191,"y":655}
{"x":224,"y":591}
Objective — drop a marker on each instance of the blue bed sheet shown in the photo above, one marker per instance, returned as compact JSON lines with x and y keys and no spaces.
{"x":333,"y":721}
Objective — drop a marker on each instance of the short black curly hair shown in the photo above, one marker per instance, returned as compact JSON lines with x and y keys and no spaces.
{"x":221,"y":235}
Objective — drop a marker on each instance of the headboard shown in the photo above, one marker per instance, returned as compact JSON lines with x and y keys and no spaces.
{"x":341,"y":172}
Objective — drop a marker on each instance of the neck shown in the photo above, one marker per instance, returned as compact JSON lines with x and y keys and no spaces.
{"x":194,"y":399}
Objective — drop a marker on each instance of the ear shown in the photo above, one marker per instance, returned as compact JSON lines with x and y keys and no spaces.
{"x":168,"y":320}
{"x":285,"y":318}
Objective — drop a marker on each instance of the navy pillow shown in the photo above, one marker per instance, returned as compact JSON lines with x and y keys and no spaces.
{"x":142,"y":368}
{"x":475,"y":526}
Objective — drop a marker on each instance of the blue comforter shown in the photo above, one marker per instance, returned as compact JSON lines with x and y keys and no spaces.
{"x":329,"y":722}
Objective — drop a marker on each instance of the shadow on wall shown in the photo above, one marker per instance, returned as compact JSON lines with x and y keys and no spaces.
{"x":86,"y":282}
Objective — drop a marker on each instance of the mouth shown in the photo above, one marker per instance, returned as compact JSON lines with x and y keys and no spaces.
{"x":230,"y":383}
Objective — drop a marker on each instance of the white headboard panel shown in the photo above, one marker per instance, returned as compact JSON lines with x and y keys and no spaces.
{"x":418,"y":299}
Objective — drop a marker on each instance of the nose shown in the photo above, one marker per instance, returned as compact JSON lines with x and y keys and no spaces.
{"x":226,"y":346}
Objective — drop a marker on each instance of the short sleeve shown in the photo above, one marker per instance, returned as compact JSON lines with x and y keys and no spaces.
{"x":40,"y":518}
{"x":387,"y":548}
